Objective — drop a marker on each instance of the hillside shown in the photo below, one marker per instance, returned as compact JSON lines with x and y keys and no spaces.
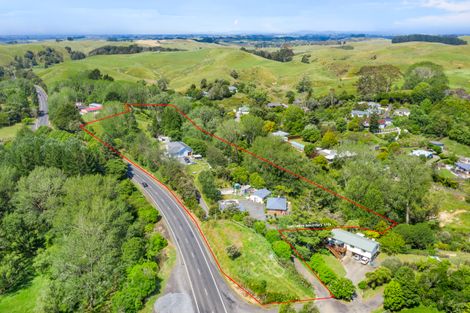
{"x":330,"y":66}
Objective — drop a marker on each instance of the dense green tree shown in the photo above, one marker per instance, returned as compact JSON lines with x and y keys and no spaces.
{"x":39,"y":190}
{"x":311,"y":133}
{"x":293,"y":120}
{"x":376,"y":79}
{"x":251,"y":126}
{"x":256,"y":181}
{"x":419,"y":236}
{"x":342,"y":288}
{"x":62,"y":111}
{"x":209,"y":187}
{"x":412,"y":181}
{"x":392,"y":243}
{"x":406,"y":277}
{"x":329,"y":139}
{"x":393,"y":297}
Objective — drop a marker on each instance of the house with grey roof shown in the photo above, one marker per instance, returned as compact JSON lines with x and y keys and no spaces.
{"x":463,"y":169}
{"x":357,"y":244}
{"x":259,"y":195}
{"x":276,"y":206}
{"x":178,"y":150}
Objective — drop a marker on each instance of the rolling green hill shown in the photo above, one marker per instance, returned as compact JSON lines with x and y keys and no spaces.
{"x":330,"y":66}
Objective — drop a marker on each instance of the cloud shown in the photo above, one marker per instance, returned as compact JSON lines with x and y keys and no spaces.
{"x":455,"y":14}
{"x":449,"y":6}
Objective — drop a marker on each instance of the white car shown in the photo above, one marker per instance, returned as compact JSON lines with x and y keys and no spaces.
{"x":357,"y":257}
{"x":364,"y":260}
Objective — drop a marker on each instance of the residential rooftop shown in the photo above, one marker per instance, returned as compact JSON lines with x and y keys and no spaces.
{"x":355,"y":240}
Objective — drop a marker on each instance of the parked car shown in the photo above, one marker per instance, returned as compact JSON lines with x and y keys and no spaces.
{"x":357,"y":257}
{"x":144,"y":184}
{"x":364,"y":260}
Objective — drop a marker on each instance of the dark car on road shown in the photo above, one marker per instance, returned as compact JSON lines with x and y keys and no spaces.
{"x":144,"y":184}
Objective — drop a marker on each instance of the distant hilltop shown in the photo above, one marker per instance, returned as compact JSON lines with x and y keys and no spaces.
{"x":448,"y":40}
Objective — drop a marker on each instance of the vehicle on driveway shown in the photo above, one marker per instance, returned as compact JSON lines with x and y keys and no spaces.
{"x":364,"y":260}
{"x":356,"y":257}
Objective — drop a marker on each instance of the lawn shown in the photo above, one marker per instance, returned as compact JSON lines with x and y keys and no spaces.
{"x":456,"y":148}
{"x":335,"y":265}
{"x":24,"y":300}
{"x":257,"y":261}
{"x":9,"y":132}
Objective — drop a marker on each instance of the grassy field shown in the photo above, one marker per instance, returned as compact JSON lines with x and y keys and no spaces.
{"x":257,"y":261}
{"x":456,"y":148}
{"x":454,"y":210}
{"x":9,"y":132}
{"x":330,"y":67}
{"x":24,"y":300}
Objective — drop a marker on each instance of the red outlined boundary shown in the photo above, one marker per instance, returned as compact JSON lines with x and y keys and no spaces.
{"x":127,"y":109}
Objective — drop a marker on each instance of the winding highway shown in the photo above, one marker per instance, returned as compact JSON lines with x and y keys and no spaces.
{"x":207,"y":287}
{"x":43,"y":114}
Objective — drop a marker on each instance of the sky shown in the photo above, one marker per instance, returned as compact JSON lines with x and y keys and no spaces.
{"x":33,"y":17}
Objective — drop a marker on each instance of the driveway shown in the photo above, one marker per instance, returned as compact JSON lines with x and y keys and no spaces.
{"x":256,"y":210}
{"x":355,"y":271}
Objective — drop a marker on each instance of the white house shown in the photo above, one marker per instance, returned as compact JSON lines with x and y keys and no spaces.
{"x":244,"y":110}
{"x":356,"y":243}
{"x":419,"y":152}
{"x":259,"y":195}
{"x":281,"y":134}
{"x":402,"y":112}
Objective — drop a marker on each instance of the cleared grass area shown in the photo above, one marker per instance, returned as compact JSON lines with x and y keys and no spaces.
{"x":454,"y":210}
{"x":24,"y":300}
{"x":257,"y":261}
{"x":335,"y":265}
{"x":9,"y":132}
{"x":456,"y":148}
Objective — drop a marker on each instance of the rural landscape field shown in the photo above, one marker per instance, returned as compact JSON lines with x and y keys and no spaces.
{"x":168,"y":158}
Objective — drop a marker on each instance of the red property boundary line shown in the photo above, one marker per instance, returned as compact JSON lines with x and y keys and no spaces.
{"x":127,"y":109}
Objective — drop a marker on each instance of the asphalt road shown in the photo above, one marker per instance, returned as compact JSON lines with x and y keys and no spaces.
{"x":43,"y":117}
{"x":208,"y":288}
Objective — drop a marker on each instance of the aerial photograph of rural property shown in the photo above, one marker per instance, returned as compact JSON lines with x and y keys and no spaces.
{"x":244,"y":156}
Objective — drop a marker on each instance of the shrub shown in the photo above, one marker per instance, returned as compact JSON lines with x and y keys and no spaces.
{"x":233,"y":252}
{"x":155,"y":244}
{"x":272,"y":235}
{"x":342,"y":288}
{"x":282,"y":249}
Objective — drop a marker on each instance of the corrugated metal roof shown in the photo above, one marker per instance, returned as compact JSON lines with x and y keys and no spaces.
{"x":278,"y":204}
{"x":176,"y":148}
{"x":463,"y":166}
{"x":262,"y":193}
{"x":354,"y":240}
